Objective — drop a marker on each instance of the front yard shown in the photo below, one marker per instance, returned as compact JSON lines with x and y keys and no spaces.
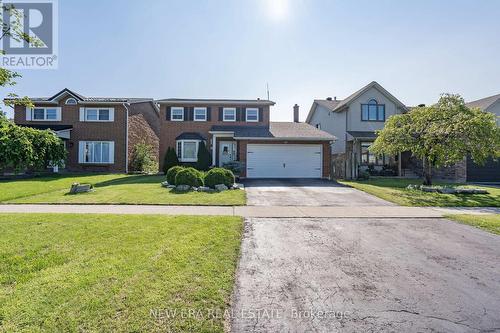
{"x":488,"y":222}
{"x":110,"y":189}
{"x":106,"y":273}
{"x":394,"y":190}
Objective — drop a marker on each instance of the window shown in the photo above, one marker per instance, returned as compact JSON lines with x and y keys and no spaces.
{"x":373,"y":111}
{"x":229,"y":114}
{"x":177,"y":114}
{"x":98,"y":152}
{"x":97,"y":115}
{"x":187,"y":150}
{"x":368,"y":157}
{"x":200,"y":114}
{"x":252,"y":114}
{"x":71,"y":101}
{"x":45,"y":114}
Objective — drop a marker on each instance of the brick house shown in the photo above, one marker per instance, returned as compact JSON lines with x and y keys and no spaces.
{"x":241,"y":130}
{"x":99,"y":133}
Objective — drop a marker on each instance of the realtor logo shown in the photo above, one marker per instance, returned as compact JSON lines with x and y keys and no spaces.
{"x":36,"y":19}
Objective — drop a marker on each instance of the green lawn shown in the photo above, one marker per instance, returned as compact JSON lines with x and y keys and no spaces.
{"x":394,"y":190}
{"x":489,"y":222}
{"x":108,"y":273}
{"x":110,"y":189}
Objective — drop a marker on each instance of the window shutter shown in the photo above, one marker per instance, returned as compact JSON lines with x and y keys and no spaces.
{"x":209,"y":113}
{"x":111,"y":152}
{"x":111,"y":114}
{"x":28,"y":113}
{"x":261,"y":114}
{"x":191,"y":113}
{"x":167,"y":112}
{"x":243,"y":114}
{"x":81,"y":145}
{"x":221,"y":113}
{"x":58,"y":114}
{"x":238,"y":114}
{"x":82,"y":114}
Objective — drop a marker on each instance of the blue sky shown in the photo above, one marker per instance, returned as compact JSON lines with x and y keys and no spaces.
{"x":304,"y":49}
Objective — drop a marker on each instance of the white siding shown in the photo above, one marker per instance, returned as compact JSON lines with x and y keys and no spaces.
{"x":333,"y":123}
{"x":495,"y":109}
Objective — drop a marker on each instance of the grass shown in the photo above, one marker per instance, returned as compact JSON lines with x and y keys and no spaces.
{"x":490,"y":222}
{"x":107,"y":273}
{"x":394,"y":190}
{"x":110,"y":189}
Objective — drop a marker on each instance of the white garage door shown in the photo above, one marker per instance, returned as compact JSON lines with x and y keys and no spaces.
{"x":283,"y":161}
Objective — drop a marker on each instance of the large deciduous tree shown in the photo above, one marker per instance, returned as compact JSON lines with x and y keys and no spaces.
{"x":441,"y":135}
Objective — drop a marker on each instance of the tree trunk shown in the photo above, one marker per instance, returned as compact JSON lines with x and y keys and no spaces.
{"x":427,"y":166}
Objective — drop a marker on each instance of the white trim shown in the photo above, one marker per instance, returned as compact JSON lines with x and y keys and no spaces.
{"x":81,"y":152}
{"x":182,"y":142}
{"x":199,"y":109}
{"x":285,"y":139}
{"x":45,"y":108}
{"x":224,"y":114}
{"x":71,"y":99}
{"x":177,"y":108}
{"x":29,"y":112}
{"x":246,"y":115}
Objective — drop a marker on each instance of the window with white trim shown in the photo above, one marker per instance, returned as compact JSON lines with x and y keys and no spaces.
{"x":229,"y":114}
{"x":187,"y":150}
{"x":71,"y":101}
{"x":252,"y":114}
{"x":94,"y":114}
{"x":44,"y":114}
{"x":96,"y":152}
{"x":177,"y":113}
{"x":200,"y":114}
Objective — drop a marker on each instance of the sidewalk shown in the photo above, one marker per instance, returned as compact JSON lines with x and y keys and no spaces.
{"x":253,"y":211}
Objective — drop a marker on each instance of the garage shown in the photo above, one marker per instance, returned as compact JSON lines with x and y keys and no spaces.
{"x":284,"y":161}
{"x":489,"y":172}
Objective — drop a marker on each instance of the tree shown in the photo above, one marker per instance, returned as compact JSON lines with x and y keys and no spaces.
{"x":143,"y":159}
{"x":441,"y":135}
{"x":204,"y":157}
{"x":170,"y":159}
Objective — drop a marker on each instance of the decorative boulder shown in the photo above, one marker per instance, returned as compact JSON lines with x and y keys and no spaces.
{"x":428,"y":189}
{"x":203,"y":189}
{"x":447,"y":190}
{"x":171,"y":186}
{"x":165,"y":184}
{"x":77,"y":188}
{"x":220,"y":187}
{"x":183,"y":188}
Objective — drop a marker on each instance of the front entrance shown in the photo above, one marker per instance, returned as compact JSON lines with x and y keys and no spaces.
{"x":227,"y":152}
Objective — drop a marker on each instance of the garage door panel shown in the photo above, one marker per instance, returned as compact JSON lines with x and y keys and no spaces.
{"x":284,"y":161}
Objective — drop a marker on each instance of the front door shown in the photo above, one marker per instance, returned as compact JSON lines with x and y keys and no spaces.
{"x":227,"y":152}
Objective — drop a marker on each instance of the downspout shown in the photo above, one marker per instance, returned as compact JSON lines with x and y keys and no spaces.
{"x":126,"y":136}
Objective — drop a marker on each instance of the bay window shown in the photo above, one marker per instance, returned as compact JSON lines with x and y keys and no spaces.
{"x":187,"y":150}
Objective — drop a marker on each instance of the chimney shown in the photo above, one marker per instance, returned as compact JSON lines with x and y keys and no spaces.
{"x":335,"y":98}
{"x":295,"y":113}
{"x":328,"y":98}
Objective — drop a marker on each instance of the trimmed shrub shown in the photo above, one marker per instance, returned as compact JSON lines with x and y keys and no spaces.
{"x":142,"y":159}
{"x":189,"y":176}
{"x":219,"y":176}
{"x":170,"y":159}
{"x":172,"y":173}
{"x":204,"y":157}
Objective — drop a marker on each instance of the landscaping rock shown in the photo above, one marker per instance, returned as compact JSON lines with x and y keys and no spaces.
{"x":171,"y":186}
{"x":471,"y":191}
{"x":182,"y":188}
{"x":220,"y":187}
{"x":447,"y":190}
{"x":165,"y":184}
{"x":428,"y":188}
{"x":204,"y":189}
{"x":77,"y":188}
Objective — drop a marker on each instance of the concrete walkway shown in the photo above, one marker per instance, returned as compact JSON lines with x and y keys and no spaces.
{"x":252,"y":211}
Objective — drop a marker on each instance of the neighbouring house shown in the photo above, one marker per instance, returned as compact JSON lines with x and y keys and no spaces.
{"x":354,"y":122}
{"x":490,"y":171}
{"x":240,"y":131}
{"x":98,"y":132}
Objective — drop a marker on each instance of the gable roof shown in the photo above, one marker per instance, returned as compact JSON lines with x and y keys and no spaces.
{"x":341,"y":105}
{"x":484,"y":103}
{"x":277,"y":131}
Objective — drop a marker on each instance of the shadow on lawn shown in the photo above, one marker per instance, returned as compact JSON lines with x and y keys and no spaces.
{"x":138,"y":179}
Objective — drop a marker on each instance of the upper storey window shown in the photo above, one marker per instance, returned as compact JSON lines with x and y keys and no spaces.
{"x":43,"y":114}
{"x":71,"y":101}
{"x":177,"y":114}
{"x":372,"y":111}
{"x":229,"y":114}
{"x":252,"y":115}
{"x":98,"y":114}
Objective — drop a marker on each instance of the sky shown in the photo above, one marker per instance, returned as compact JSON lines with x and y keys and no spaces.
{"x":304,"y":50}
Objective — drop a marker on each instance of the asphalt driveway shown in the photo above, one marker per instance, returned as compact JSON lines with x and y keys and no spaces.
{"x":366,"y":275}
{"x":306,"y":192}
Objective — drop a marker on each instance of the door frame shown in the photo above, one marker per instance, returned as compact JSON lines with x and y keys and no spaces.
{"x":220,"y":150}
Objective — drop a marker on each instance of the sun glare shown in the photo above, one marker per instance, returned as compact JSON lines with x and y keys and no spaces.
{"x":278,"y":9}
